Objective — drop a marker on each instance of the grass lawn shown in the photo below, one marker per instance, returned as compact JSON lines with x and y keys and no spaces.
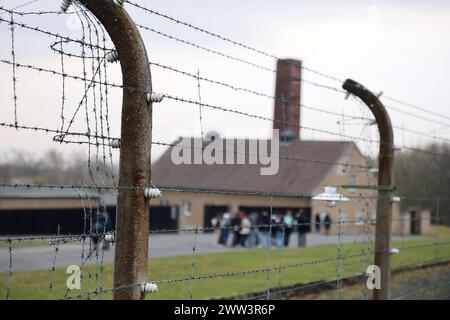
{"x":24,"y":243}
{"x":35,"y":284}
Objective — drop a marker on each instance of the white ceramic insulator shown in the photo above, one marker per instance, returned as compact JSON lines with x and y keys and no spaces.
{"x":65,"y":4}
{"x":394,"y":251}
{"x":149,"y":287}
{"x":112,"y":56}
{"x":119,"y":2}
{"x":115,"y":144}
{"x":154,"y":97}
{"x":152,"y":193}
{"x":110,"y":238}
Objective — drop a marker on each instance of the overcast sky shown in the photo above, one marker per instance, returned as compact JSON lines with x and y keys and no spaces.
{"x":398,"y":47}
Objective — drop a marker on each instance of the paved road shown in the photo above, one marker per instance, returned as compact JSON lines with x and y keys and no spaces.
{"x":161,"y":245}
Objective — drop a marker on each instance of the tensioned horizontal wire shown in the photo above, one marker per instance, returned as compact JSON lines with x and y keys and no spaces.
{"x":299,"y":287}
{"x":205,"y":191}
{"x":275,"y":194}
{"x":296,"y":288}
{"x":415,"y":115}
{"x":421,"y":289}
{"x":61,"y":238}
{"x":24,"y":4}
{"x":161,"y":143}
{"x":269,"y":55}
{"x":247,"y":62}
{"x":97,"y":291}
{"x":256,"y":270}
{"x":49,"y":33}
{"x":68,"y":75}
{"x":45,"y":12}
{"x":415,"y":107}
{"x":80,"y":78}
{"x":358,"y":222}
{"x":186,"y":190}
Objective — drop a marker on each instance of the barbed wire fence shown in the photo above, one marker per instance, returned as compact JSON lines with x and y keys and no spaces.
{"x":85,"y":120}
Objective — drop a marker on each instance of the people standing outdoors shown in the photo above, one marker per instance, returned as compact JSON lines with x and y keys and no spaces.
{"x":327,"y":224}
{"x":278,"y":229}
{"x":253,"y":237}
{"x":215,"y":224}
{"x":236,"y":226}
{"x":265,"y":238}
{"x":318,"y":223}
{"x":288,"y":223}
{"x":245,"y":229}
{"x":303,"y":227}
{"x":224,"y":224}
{"x":106,"y":226}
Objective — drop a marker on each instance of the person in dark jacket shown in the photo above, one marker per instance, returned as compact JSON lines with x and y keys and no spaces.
{"x":105,"y":226}
{"x":327,"y":224}
{"x":236,"y":227}
{"x":303,"y":227}
{"x":278,"y":229}
{"x":245,"y":229}
{"x":288,"y":223}
{"x":224,"y":224}
{"x":265,"y":238}
{"x":253,"y":239}
{"x":98,"y":227}
{"x":318,"y":223}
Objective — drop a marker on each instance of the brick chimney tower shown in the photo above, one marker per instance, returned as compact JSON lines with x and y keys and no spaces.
{"x":287,"y":103}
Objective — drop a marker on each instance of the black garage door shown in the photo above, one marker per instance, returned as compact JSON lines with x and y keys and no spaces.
{"x":74,"y":221}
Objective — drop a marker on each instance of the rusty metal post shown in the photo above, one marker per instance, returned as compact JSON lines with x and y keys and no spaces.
{"x":385,"y":189}
{"x":132,"y":221}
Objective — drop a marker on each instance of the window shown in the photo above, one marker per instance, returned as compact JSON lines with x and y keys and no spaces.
{"x":187,"y":208}
{"x":352,"y":180}
{"x":173,"y":213}
{"x":360,"y":216}
{"x":341,"y":216}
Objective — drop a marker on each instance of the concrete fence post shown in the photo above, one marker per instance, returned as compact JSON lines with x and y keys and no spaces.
{"x":385,"y":188}
{"x":132,"y":221}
